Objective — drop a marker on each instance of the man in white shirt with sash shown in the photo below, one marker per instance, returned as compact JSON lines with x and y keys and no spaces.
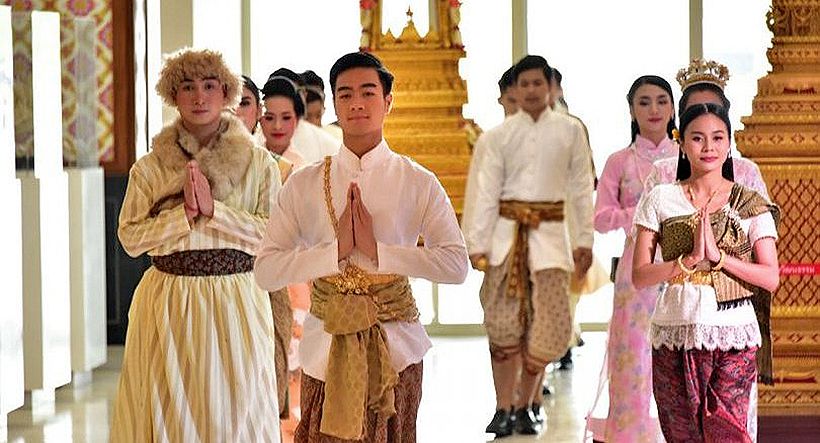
{"x":362,"y":344}
{"x":538,"y":168}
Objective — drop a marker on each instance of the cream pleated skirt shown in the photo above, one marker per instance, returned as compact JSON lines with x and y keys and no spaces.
{"x":198,"y":363}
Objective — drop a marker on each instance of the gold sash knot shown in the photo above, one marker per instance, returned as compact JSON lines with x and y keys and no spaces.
{"x":527,"y":215}
{"x":360,"y":375}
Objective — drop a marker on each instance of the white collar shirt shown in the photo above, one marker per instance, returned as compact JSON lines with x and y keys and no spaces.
{"x":405,"y":200}
{"x":541,"y":160}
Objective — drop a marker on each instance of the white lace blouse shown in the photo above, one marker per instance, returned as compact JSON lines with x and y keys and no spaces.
{"x":686,"y":315}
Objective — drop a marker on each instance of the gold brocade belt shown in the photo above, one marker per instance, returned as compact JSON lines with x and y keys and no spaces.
{"x":360,"y":375}
{"x":697,"y":278}
{"x":527,"y":215}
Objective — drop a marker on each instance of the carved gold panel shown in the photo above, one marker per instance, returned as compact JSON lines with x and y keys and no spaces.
{"x":782,"y":136}
{"x":428,"y":94}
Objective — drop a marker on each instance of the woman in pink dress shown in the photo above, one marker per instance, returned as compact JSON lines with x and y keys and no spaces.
{"x":628,"y":364}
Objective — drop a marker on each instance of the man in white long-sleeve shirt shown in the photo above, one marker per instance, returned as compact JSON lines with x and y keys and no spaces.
{"x":362,"y":344}
{"x":539,"y":162}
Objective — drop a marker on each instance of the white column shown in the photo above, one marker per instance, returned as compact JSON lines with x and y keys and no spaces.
{"x":245,"y":10}
{"x":46,"y":298}
{"x":176,"y":32}
{"x":86,"y":198}
{"x":11,"y":267}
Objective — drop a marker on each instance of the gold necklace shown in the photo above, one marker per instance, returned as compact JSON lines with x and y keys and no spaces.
{"x":709,"y":200}
{"x":695,"y":217}
{"x":353,"y":280}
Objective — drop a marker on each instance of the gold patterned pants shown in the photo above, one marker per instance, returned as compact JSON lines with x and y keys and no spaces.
{"x":542,"y":331}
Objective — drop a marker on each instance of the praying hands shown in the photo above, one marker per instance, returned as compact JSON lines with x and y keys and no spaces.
{"x":197,"y":193}
{"x":356,"y":227}
{"x":705,"y":246}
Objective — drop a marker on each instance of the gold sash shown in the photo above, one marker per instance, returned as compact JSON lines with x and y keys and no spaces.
{"x":527,"y":215}
{"x":359,"y":375}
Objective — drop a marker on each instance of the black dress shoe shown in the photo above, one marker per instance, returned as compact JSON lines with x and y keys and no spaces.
{"x":525,"y":422}
{"x":538,"y":413}
{"x":502,"y":423}
{"x":565,"y":364}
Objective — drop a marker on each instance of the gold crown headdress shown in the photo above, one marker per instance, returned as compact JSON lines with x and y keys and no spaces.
{"x":702,"y":71}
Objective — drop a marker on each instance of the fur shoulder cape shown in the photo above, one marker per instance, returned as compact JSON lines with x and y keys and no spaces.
{"x":224,"y":161}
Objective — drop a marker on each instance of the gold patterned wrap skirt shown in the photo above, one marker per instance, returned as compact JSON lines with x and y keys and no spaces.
{"x":198,"y":356}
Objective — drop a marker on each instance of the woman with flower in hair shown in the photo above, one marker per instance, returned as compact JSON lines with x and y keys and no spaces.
{"x":199,"y":350}
{"x":717,"y":241}
{"x":628,"y":367}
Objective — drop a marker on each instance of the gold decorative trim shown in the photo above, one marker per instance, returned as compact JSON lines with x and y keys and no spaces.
{"x":796,"y":311}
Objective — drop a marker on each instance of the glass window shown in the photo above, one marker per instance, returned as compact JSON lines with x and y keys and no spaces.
{"x":459,"y":304}
{"x":489,"y":54}
{"x":210,"y":15}
{"x":293,"y":35}
{"x":629,"y":39}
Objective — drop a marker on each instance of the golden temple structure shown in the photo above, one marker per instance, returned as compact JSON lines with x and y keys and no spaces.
{"x":428,"y":94}
{"x":783,"y":136}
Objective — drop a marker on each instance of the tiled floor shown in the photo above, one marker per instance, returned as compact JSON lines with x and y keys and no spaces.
{"x":458,"y":399}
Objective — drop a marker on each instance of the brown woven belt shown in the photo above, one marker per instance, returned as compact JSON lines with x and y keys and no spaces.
{"x":204,"y":262}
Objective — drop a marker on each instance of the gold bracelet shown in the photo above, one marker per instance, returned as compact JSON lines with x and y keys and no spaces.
{"x":683,"y":267}
{"x":720,"y":262}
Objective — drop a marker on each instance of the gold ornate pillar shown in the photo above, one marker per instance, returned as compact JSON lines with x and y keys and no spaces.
{"x":783,"y":136}
{"x":428,"y":93}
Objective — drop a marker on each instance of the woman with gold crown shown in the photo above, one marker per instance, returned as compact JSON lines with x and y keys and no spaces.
{"x":703,"y":82}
